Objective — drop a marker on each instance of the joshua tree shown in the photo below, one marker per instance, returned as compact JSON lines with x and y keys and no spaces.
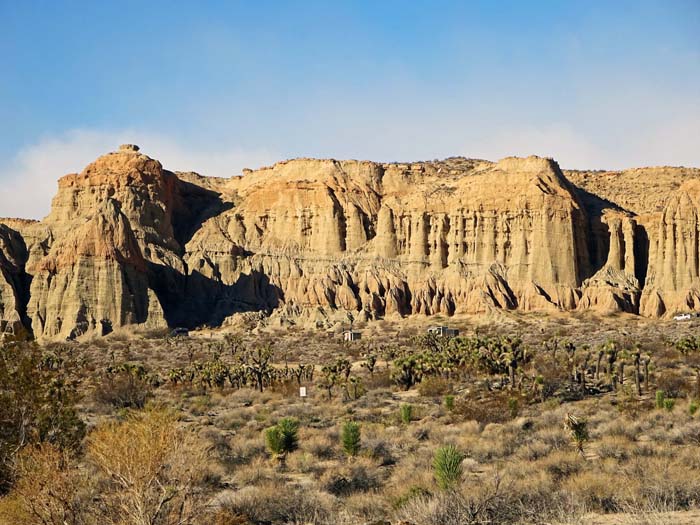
{"x":637,"y":383}
{"x":647,"y":362}
{"x":330,"y":377}
{"x":621,"y":370}
{"x":370,"y":362}
{"x":601,"y":353}
{"x":407,"y":371}
{"x":234,"y":342}
{"x":259,"y":364}
{"x":611,"y":351}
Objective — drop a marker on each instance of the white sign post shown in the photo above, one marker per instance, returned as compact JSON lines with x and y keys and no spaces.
{"x":302,"y":391}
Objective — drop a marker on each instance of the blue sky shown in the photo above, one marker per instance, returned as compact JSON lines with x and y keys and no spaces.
{"x":218,"y":86}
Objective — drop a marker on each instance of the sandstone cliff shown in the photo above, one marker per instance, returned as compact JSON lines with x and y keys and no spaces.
{"x":13,"y":284}
{"x":128,"y":242}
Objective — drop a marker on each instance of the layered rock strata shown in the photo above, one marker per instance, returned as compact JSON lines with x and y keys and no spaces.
{"x":128,"y":242}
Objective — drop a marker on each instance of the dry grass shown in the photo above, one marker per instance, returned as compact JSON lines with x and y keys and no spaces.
{"x":638,"y":463}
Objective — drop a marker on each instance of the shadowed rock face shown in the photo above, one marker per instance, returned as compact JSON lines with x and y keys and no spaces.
{"x":128,"y":242}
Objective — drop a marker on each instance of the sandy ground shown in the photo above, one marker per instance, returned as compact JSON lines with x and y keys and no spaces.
{"x":664,"y":518}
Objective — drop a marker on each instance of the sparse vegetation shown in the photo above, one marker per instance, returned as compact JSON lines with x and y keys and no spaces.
{"x":477,"y":437}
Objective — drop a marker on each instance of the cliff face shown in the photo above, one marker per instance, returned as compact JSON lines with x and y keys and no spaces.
{"x":379,"y":239}
{"x":128,"y":242}
{"x":13,"y":284}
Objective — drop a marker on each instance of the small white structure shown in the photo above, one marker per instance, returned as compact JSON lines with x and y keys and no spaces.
{"x":443,"y":331}
{"x":352,"y":335}
{"x":682,"y":317}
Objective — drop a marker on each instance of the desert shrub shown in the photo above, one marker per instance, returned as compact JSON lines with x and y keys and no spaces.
{"x":406,"y":413}
{"x":413,"y":492}
{"x":551,"y":376}
{"x":38,"y":396}
{"x":152,"y":467}
{"x":693,"y":407}
{"x":380,"y":379}
{"x":320,"y":445}
{"x":483,"y":503}
{"x":449,"y":402}
{"x":380,"y":450}
{"x":277,"y":503}
{"x":597,"y":490}
{"x":672,"y":383}
{"x":287,"y":388}
{"x":490,"y":409}
{"x":669,"y":404}
{"x":434,"y":386}
{"x":123,"y":390}
{"x":350,"y":438}
{"x":562,"y":464}
{"x":283,"y":438}
{"x":447,"y":467}
{"x":360,"y":476}
{"x":50,"y":489}
{"x":614,"y":448}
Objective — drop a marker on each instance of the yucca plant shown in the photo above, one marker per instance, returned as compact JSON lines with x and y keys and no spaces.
{"x":450,"y":402}
{"x":669,"y":404}
{"x":447,"y":467}
{"x":350,"y":438}
{"x":406,"y":412}
{"x":578,"y":428}
{"x":660,"y":398}
{"x":282,"y":438}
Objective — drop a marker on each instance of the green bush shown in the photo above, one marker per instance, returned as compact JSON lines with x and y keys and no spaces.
{"x":350,"y":438}
{"x":513,"y":407}
{"x":283,"y":438}
{"x":669,"y":404}
{"x":447,"y":466}
{"x":406,"y":412}
{"x":693,"y":407}
{"x":450,"y":402}
{"x":660,"y":398}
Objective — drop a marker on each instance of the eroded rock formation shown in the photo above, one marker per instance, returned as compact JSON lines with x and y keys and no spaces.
{"x":128,"y":242}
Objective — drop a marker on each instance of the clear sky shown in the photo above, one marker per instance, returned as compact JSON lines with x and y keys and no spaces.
{"x":218,"y":86}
